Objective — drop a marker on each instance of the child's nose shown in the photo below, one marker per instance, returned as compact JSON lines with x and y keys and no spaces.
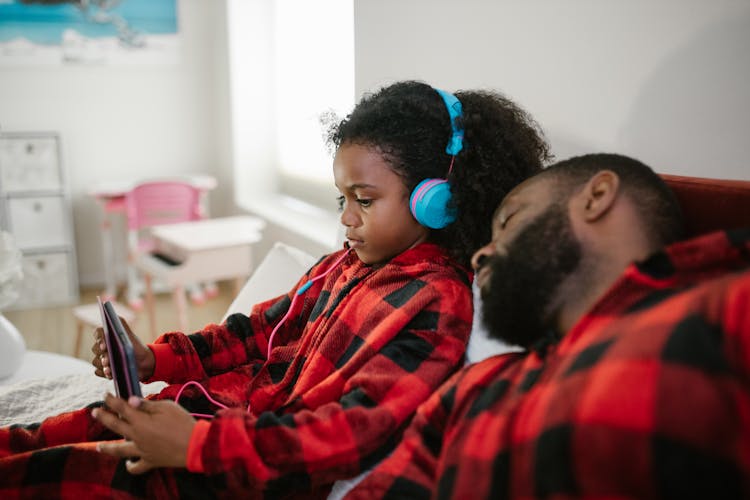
{"x":348,"y":218}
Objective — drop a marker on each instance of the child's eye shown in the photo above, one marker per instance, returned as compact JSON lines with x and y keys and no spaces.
{"x":364,"y":202}
{"x":340,"y":201}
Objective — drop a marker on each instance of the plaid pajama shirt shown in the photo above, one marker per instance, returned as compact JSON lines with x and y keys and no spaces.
{"x":362,"y":349}
{"x":647,"y":396}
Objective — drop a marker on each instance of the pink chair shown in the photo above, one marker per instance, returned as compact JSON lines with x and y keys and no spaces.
{"x":152,"y":203}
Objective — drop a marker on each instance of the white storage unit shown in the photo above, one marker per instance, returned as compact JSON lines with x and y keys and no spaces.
{"x":35,"y":207}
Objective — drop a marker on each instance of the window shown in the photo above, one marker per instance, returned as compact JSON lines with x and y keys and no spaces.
{"x":290,"y":62}
{"x":314,"y":75}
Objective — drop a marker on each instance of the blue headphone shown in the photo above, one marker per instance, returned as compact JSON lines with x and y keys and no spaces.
{"x":429,"y":200}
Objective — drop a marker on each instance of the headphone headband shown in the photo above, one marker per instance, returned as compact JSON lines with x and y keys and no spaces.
{"x":430,"y":200}
{"x":455,"y":110}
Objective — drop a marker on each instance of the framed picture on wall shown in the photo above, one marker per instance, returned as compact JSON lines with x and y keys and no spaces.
{"x":69,"y":32}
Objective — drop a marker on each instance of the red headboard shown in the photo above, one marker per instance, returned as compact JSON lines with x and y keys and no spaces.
{"x":711,"y":204}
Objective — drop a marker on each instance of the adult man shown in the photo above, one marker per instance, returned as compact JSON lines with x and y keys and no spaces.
{"x":636,"y":381}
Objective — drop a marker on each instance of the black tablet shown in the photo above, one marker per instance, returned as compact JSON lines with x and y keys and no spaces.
{"x":120,"y":352}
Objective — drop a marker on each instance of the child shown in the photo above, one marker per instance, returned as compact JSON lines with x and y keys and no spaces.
{"x":316,"y":385}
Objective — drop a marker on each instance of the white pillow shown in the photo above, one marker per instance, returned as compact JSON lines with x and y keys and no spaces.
{"x":12,"y":348}
{"x":280,"y":269}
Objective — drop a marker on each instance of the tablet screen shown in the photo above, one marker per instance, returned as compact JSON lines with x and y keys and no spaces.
{"x":120,"y":352}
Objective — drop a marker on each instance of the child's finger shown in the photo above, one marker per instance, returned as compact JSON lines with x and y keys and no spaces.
{"x":137,"y":402}
{"x":103,"y":364}
{"x":112,"y":422}
{"x":98,"y":370}
{"x":127,"y":412}
{"x":138,"y":466}
{"x":98,"y":346}
{"x":120,"y":449}
{"x":99,"y":366}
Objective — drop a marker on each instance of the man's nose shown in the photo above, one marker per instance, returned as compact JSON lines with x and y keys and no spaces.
{"x":481,"y":255}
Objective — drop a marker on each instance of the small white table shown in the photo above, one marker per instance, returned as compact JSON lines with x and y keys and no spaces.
{"x":204,"y":250}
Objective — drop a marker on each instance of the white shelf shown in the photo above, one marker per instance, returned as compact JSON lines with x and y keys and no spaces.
{"x":35,"y":208}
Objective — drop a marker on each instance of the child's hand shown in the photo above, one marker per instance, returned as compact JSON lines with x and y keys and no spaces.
{"x":158,"y":432}
{"x":143,"y":355}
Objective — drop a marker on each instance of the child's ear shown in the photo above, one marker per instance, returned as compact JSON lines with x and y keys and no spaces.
{"x":598,"y":195}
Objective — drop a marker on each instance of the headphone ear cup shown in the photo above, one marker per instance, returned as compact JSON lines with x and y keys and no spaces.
{"x":429,"y":203}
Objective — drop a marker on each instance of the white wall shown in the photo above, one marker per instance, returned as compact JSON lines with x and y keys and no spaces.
{"x":665,"y":81}
{"x":129,"y":122}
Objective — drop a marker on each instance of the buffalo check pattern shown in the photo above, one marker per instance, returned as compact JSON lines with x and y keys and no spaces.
{"x":362,"y":349}
{"x":648,"y":396}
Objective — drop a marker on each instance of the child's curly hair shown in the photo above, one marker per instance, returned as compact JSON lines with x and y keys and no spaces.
{"x":407,"y":122}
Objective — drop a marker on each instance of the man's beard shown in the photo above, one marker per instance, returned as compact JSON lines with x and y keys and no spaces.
{"x":519,"y":297}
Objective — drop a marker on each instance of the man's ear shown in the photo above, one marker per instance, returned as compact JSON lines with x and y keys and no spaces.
{"x":599,"y":195}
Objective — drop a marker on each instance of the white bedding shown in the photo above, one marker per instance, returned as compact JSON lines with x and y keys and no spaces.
{"x":31,"y":401}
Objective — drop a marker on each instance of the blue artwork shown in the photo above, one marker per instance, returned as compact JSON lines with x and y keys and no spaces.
{"x":86,"y":31}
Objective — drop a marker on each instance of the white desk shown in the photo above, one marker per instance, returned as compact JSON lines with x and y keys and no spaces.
{"x":111,"y":198}
{"x":205,"y":250}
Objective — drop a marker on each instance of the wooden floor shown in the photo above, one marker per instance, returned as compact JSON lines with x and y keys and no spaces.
{"x":54,"y":328}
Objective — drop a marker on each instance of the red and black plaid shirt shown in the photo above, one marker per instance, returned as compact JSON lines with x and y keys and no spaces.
{"x":348,"y":368}
{"x":647,"y":396}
